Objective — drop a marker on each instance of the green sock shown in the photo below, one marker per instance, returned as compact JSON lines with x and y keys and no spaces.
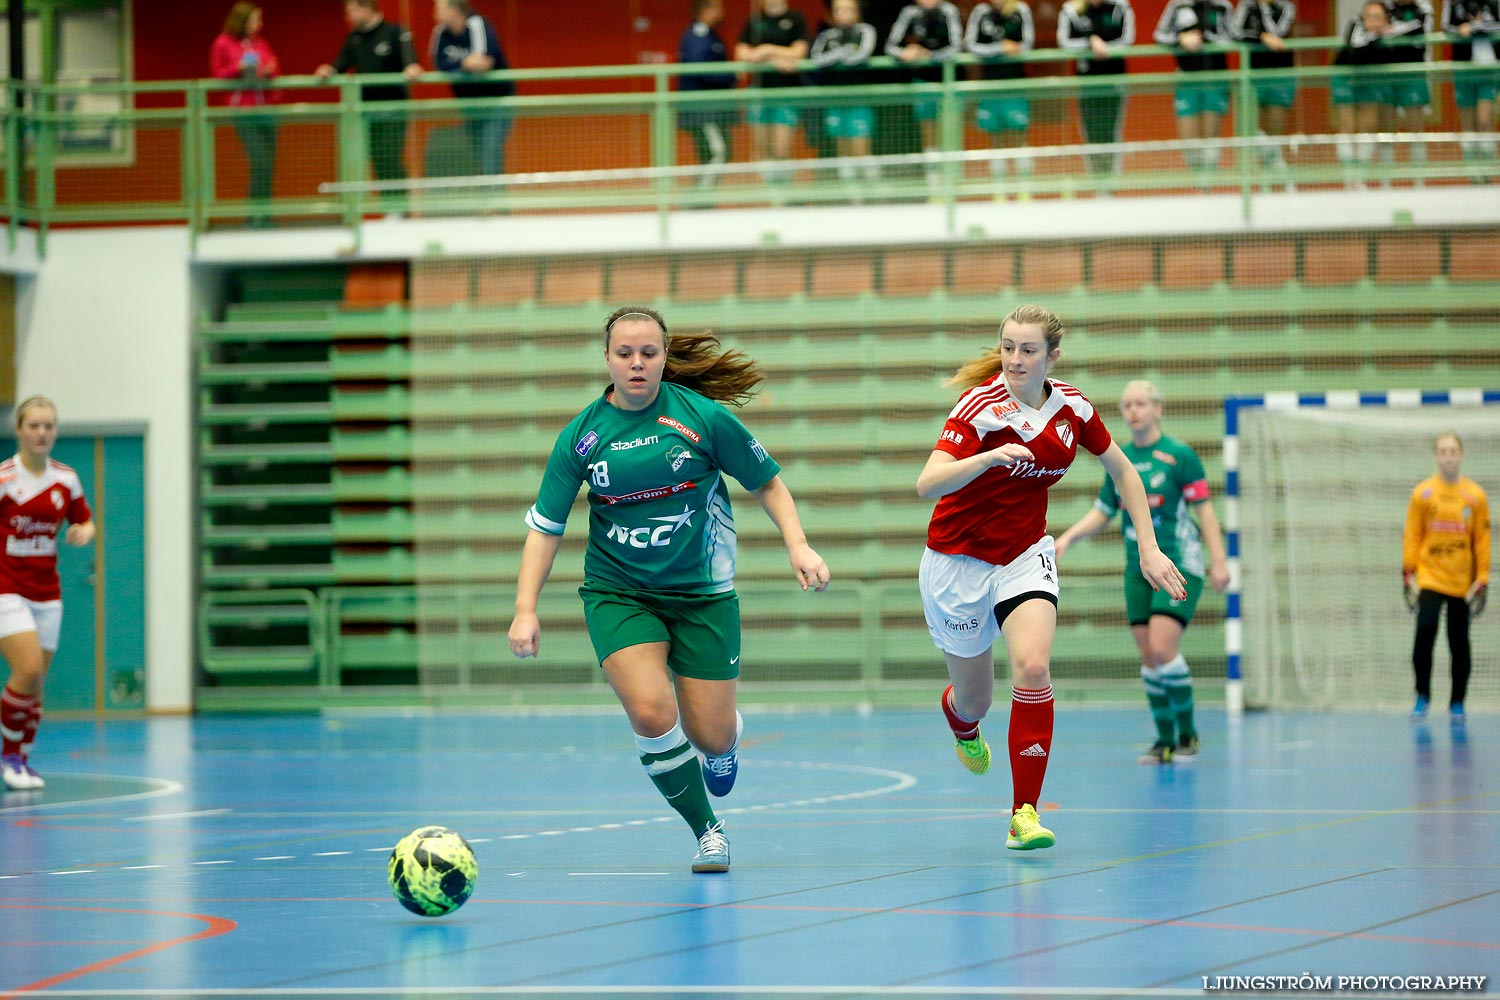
{"x":1178,"y":683}
{"x":1161,"y":709}
{"x":674,"y":770}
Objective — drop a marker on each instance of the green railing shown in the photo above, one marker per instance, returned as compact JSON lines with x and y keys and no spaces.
{"x":167,"y":152}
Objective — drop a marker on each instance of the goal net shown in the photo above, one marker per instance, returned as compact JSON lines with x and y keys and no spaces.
{"x":1321,"y":486}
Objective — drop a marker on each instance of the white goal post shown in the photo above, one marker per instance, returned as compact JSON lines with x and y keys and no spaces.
{"x":1317,"y":488}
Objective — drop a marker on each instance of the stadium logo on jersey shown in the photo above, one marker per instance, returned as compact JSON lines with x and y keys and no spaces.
{"x":692,"y":436}
{"x":636,"y":443}
{"x":1064,"y":432}
{"x":644,"y":538}
{"x":656,"y":493}
{"x":951,"y":435}
{"x":757,"y":450}
{"x":677,"y":455}
{"x":587,"y":444}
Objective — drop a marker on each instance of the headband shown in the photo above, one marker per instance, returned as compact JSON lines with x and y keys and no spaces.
{"x":641,"y":315}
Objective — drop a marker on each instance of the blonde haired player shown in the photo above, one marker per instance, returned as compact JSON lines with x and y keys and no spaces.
{"x":1176,"y":489}
{"x":989,"y":568}
{"x":39,"y":495}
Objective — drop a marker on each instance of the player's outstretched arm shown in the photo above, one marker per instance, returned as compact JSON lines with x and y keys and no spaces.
{"x":944,"y":474}
{"x":536,"y":565}
{"x":1158,"y":570}
{"x":1086,"y":526}
{"x":777,"y":500}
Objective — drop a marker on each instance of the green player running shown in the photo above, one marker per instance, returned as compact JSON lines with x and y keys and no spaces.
{"x":658,"y":591}
{"x":1175,"y":484}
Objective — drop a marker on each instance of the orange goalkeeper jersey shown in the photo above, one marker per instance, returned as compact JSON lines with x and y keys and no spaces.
{"x":1447,"y":540}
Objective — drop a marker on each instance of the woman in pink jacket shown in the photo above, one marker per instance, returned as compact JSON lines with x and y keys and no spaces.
{"x":240,"y":53}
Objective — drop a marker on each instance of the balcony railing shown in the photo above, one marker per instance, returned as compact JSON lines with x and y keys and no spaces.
{"x":176,"y":152}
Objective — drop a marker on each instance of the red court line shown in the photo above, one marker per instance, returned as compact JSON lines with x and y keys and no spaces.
{"x":216,"y":926}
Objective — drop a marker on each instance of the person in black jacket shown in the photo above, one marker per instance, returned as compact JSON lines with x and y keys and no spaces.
{"x":375,"y":45}
{"x":465,"y":44}
{"x":1200,"y":107}
{"x":775,"y":36}
{"x":1477,"y":24}
{"x":843,"y":50}
{"x":1098,"y":27}
{"x":996,"y":32}
{"x":1360,"y":101}
{"x":709,"y":126}
{"x":927,"y":33}
{"x":1265,"y":25}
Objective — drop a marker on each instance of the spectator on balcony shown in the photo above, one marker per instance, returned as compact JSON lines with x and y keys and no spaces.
{"x":777,"y":36}
{"x":241,"y":53}
{"x":375,"y":45}
{"x":926,"y":34}
{"x":1189,"y":25}
{"x":843,"y":50}
{"x":465,"y":45}
{"x":1477,"y":23}
{"x":1411,"y":22}
{"x":1359,"y":101}
{"x":1099,"y":27}
{"x":995,"y":34}
{"x":1266,"y":24}
{"x":709,"y":126}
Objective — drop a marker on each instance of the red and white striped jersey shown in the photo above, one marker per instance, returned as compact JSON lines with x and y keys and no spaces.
{"x":1003,"y":512}
{"x":32,"y":511}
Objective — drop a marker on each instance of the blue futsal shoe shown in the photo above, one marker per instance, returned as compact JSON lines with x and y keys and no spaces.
{"x":719,"y":772}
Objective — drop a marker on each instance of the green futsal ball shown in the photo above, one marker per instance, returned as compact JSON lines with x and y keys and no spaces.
{"x":432,"y":871}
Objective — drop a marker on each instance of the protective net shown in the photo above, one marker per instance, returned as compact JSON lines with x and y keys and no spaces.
{"x":1323,"y":501}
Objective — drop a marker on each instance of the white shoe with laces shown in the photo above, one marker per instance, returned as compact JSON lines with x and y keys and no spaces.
{"x":713,"y":851}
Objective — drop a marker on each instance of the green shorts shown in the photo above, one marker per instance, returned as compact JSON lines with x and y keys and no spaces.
{"x":1356,"y":89}
{"x":1141,"y":602}
{"x":1003,"y":114}
{"x":1410,"y":92}
{"x":703,"y":630}
{"x":1471,"y":88}
{"x":1201,"y":98}
{"x":849,"y":123}
{"x":1280,"y":94}
{"x":774,"y":114}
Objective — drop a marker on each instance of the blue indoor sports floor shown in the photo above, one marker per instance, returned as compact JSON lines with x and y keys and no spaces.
{"x":245,"y":856}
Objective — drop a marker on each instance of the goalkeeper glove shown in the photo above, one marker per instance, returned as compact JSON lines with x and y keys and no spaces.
{"x":1476,"y":601}
{"x":1409,"y":589}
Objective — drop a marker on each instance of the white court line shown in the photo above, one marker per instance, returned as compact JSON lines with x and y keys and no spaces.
{"x":163,"y":787}
{"x":278,"y":857}
{"x":591,"y":874}
{"x":842,"y":989}
{"x":335,"y":854}
{"x":153,"y":817}
{"x":139,"y":868}
{"x":225,"y":862}
{"x":75,"y":871}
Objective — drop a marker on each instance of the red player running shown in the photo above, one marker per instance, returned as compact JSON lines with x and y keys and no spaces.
{"x":989,"y":568}
{"x":39,"y":495}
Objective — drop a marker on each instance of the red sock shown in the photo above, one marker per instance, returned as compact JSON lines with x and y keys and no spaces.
{"x":1030,"y":743}
{"x":964,"y":729}
{"x":32,"y":722}
{"x":15,"y":719}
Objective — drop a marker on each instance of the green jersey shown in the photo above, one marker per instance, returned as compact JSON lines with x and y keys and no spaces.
{"x":659,"y":515}
{"x":1174,"y":481}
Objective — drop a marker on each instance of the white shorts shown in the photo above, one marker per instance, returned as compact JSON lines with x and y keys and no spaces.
{"x":959,"y":594}
{"x":17,"y":615}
